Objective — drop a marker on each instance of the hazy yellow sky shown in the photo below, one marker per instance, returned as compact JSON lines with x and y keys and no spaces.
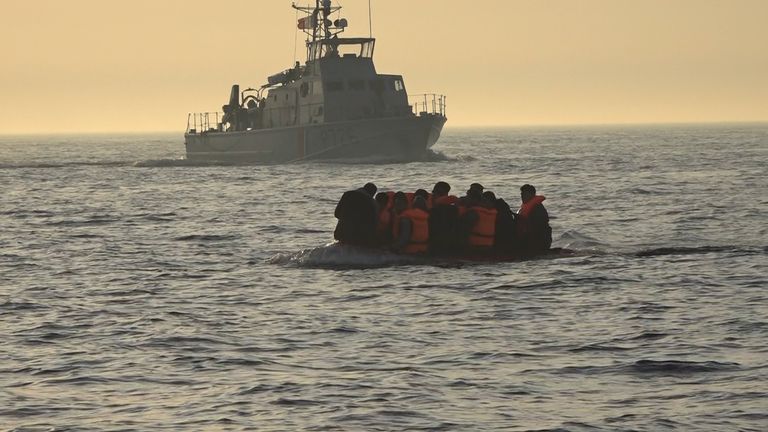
{"x":141,"y":65}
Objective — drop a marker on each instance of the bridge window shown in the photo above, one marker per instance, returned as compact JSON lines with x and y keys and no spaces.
{"x":399,"y":85}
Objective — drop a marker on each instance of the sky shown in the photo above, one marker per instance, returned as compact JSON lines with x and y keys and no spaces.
{"x":107,"y":66}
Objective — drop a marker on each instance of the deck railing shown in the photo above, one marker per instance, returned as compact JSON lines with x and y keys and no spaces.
{"x":421,"y":105}
{"x":204,"y":122}
{"x":428,"y":104}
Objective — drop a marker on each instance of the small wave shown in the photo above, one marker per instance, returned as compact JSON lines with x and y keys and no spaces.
{"x":22,"y":214}
{"x":295,"y":402}
{"x":181,"y":162}
{"x":649,"y":336}
{"x":573,"y":239}
{"x":677,"y":367}
{"x":19,"y":305}
{"x":93,"y":220}
{"x":681,"y":250}
{"x":598,"y":347}
{"x":150,"y":163}
{"x":648,"y":367}
{"x":48,"y":165}
{"x":205,"y":237}
{"x":85,"y":236}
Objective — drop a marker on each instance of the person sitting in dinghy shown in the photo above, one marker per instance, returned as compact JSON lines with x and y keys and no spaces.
{"x":358,"y":216}
{"x":411,"y":226}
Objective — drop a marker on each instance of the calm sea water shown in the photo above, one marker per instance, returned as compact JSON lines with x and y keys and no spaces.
{"x":142,"y":292}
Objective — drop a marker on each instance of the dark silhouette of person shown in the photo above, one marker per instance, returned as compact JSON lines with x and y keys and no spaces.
{"x":440,"y":195}
{"x":505,"y":223}
{"x":473,"y":196}
{"x":358,"y":216}
{"x":385,"y":216}
{"x":534,"y":235}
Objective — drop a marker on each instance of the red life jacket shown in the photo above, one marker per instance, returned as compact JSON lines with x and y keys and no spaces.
{"x":419,"y":241}
{"x":525,"y":211}
{"x":484,"y":231}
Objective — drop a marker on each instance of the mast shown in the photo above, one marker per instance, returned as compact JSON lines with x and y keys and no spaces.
{"x":318,"y":24}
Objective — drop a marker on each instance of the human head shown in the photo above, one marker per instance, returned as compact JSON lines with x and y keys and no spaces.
{"x":382,"y":199}
{"x":370,"y":188}
{"x":400,"y":202}
{"x":527,"y":192}
{"x":477,"y":186}
{"x":474,"y":194}
{"x":441,"y":188}
{"x":421,"y":193}
{"x":419,"y":203}
{"x":489,"y":196}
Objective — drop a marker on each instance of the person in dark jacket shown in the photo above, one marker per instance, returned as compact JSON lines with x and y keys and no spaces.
{"x":358,"y":216}
{"x":534,"y":235}
{"x":443,"y":221}
{"x":505,"y":223}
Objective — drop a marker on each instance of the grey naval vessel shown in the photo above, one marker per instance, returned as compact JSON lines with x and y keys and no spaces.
{"x":334,"y":106}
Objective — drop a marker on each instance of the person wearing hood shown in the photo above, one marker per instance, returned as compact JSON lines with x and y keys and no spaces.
{"x":358,"y":217}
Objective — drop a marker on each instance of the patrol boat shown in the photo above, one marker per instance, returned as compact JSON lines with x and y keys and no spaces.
{"x":334,"y":106}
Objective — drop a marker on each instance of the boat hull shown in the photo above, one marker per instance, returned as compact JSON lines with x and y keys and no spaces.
{"x":403,"y":138}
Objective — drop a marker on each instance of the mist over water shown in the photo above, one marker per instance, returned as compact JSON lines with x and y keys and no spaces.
{"x":142,"y":291}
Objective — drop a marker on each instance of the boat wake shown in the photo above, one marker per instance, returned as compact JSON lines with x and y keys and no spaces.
{"x":336,"y":255}
{"x":151,"y":163}
{"x":429,"y":156}
{"x":182,"y":162}
{"x":340,"y":256}
{"x":575,"y":240}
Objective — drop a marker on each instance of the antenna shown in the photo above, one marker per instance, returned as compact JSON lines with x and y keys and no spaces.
{"x":370,"y":21}
{"x":295,"y":38}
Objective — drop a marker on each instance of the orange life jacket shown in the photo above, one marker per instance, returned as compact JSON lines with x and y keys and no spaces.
{"x":525,"y":211}
{"x":484,"y":231}
{"x":419,"y":241}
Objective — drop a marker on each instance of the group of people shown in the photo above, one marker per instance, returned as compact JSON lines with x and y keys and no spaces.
{"x":439,"y":223}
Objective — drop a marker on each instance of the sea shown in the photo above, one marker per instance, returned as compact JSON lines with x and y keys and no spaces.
{"x":141,"y":291}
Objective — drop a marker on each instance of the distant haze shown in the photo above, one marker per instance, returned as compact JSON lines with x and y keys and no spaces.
{"x":95,"y":65}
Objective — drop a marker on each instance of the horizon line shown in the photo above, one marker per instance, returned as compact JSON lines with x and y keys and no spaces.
{"x":447,"y":126}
